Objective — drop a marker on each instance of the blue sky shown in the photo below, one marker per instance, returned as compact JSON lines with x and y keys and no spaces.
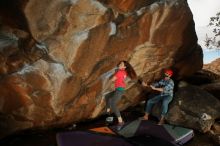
{"x":209,"y":56}
{"x":202,"y":11}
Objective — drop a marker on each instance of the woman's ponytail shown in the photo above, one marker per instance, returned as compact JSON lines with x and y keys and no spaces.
{"x":129,"y":69}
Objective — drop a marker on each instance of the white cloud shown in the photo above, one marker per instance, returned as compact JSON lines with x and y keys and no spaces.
{"x":203,"y":9}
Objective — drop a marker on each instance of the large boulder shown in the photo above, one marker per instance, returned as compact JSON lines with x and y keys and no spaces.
{"x":194,"y":108}
{"x":212,"y":88}
{"x":203,"y":77}
{"x":215,"y":133}
{"x":63,"y":81}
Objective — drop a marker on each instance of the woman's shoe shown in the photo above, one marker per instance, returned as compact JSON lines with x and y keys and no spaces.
{"x":120,"y":126}
{"x":109,"y":119}
{"x":143,"y":118}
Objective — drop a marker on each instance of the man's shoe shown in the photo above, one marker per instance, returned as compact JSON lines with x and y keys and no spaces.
{"x":161,"y":122}
{"x":143,"y":118}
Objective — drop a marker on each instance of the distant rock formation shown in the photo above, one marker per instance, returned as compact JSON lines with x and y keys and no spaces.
{"x":213,"y":66}
{"x":63,"y":82}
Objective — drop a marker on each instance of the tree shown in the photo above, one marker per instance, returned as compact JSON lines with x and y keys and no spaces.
{"x":214,"y":41}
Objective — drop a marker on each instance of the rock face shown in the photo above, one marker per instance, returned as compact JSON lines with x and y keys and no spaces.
{"x":63,"y":81}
